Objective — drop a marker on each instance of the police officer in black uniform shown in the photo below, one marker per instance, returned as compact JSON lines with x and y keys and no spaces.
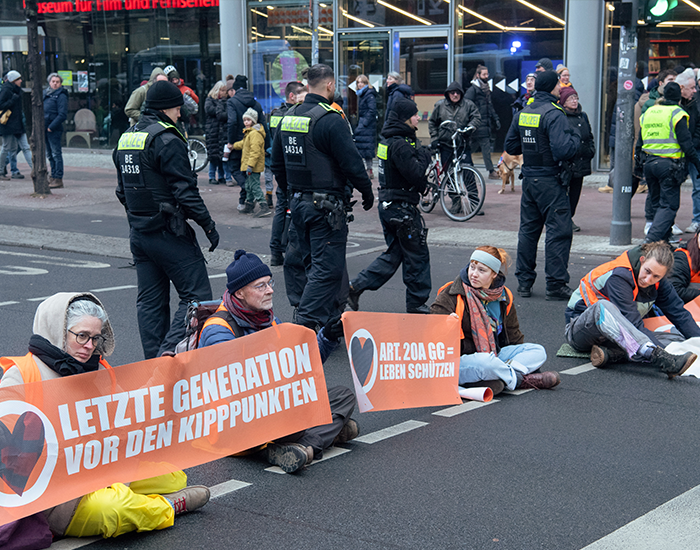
{"x":542,"y":134}
{"x":294,"y":93}
{"x":159,"y":191}
{"x":314,"y":157}
{"x":402,"y":165}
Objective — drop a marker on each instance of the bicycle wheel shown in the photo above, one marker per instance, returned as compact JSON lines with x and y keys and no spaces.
{"x":461,"y":199}
{"x":428,"y":201}
{"x":197,"y":154}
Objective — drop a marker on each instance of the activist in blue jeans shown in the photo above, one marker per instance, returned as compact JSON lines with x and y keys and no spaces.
{"x":246,"y":308}
{"x":55,"y":112}
{"x":493,"y":350}
{"x":71,"y":334}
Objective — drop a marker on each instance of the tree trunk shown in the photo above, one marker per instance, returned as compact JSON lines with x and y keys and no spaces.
{"x":37,"y":143}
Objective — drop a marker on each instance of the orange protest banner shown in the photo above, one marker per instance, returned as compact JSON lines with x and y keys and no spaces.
{"x":63,"y":438}
{"x":662,"y":324}
{"x":400,"y":361}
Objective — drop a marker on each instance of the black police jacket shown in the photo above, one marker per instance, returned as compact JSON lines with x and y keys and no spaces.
{"x":559,"y":140}
{"x":331,"y":136}
{"x":171,"y":183}
{"x":402,"y":163}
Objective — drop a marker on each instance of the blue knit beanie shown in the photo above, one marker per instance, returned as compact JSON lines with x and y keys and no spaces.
{"x":244,"y":269}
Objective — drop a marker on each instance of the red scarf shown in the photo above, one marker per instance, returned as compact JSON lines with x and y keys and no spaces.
{"x":256,"y":320}
{"x":482,"y":324}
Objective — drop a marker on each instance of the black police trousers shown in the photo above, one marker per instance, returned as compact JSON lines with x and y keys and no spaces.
{"x":321,"y":250}
{"x":160,"y":258}
{"x":664,"y":177}
{"x":278,"y":239}
{"x":402,"y":248}
{"x":544,"y":203}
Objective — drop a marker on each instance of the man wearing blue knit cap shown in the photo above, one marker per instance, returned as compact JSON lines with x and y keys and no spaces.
{"x":246,"y":308}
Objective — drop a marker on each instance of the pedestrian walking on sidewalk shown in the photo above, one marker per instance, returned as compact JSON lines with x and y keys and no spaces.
{"x":13,"y":135}
{"x":55,"y":112}
{"x":253,"y":163}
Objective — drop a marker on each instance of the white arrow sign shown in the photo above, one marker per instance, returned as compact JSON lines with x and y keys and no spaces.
{"x":645,"y":81}
{"x":514,"y":85}
{"x":502,"y":85}
{"x":491,"y":85}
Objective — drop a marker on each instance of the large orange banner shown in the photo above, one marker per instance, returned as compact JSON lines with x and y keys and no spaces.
{"x":662,"y":324}
{"x":64,"y":438}
{"x":402,"y":361}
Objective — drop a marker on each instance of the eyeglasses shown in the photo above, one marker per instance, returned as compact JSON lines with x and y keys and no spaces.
{"x":83,"y":337}
{"x":261,"y":286}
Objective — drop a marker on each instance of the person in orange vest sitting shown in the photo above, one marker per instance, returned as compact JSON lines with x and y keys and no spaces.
{"x":604,"y":314}
{"x":686,"y":270}
{"x":493,"y":349}
{"x":71,"y":335}
{"x":246,"y":308}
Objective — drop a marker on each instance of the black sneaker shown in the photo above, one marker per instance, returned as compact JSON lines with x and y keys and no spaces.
{"x":222,"y":181}
{"x":524,"y":291}
{"x":563,"y":293}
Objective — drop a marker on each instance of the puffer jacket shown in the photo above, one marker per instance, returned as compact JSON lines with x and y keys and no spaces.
{"x":215,"y":128}
{"x":253,"y":147}
{"x":483,"y":103}
{"x":393,"y":93}
{"x":55,"y":108}
{"x":366,"y":130}
{"x":464,"y":113}
{"x":586,"y":151}
{"x":11,"y":98}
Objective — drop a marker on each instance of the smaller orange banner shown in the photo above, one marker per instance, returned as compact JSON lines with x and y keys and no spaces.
{"x":662,"y":324}
{"x":402,"y":361}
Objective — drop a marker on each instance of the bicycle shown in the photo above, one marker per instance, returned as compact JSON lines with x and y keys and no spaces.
{"x":197,"y":152}
{"x":461,"y":189}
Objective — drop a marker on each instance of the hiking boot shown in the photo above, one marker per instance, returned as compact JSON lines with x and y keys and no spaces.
{"x":672,"y":365}
{"x":276,"y":259}
{"x":602,"y":356}
{"x":56,"y":183}
{"x":540,"y":380}
{"x":188,"y":499}
{"x":524,"y":291}
{"x":17,"y":176}
{"x":290,"y":457}
{"x":422,"y":309}
{"x":268,"y":198}
{"x":264,"y":210}
{"x":349,"y":432}
{"x":354,"y":299}
{"x":563,"y":293}
{"x":247,"y":208}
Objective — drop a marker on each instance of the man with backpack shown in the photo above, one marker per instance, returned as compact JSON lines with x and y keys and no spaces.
{"x":246,"y":307}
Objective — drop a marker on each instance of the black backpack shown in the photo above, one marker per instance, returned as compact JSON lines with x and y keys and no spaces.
{"x":197,"y":314}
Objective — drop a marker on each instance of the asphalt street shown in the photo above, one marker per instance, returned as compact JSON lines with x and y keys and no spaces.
{"x":607,"y":450}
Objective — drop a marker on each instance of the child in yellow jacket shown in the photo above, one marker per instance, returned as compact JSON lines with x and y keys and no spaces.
{"x":253,"y":162}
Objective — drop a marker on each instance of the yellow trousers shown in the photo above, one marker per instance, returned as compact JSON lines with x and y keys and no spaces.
{"x":119,"y":509}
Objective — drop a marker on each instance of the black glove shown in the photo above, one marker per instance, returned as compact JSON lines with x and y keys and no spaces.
{"x":497,"y":124}
{"x":213,"y":236}
{"x":333,"y":330}
{"x":367,"y":200}
{"x":435,"y":145}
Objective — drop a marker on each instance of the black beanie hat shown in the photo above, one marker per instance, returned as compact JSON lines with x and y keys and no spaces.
{"x":404,"y":109}
{"x":244,"y":269}
{"x":672,"y":91}
{"x":241,"y":81}
{"x":546,"y":81}
{"x":163,"y":95}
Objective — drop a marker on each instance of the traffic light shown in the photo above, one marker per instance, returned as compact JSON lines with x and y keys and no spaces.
{"x":656,"y":11}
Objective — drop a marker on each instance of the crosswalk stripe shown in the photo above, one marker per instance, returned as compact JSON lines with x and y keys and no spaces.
{"x":391,"y":431}
{"x":578,"y":370}
{"x":464,"y":407}
{"x":329,"y":453}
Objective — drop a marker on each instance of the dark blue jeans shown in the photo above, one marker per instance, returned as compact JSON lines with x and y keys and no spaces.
{"x":55,"y":153}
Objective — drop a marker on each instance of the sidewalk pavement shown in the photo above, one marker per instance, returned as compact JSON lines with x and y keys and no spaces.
{"x":90,"y":180}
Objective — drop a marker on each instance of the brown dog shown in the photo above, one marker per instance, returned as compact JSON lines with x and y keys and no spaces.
{"x":506,"y":169}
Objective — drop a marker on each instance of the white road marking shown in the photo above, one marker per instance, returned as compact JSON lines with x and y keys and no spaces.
{"x":365,"y":251}
{"x":218,"y":276}
{"x":329,"y":453}
{"x":110,"y":288}
{"x":8,"y":303}
{"x":391,"y":431}
{"x":72,"y":543}
{"x":464,"y":407}
{"x":517,"y":392}
{"x":53,"y":260}
{"x":20,"y":270}
{"x":40,"y":299}
{"x":675,"y":524}
{"x":578,"y":370}
{"x":227,"y":487}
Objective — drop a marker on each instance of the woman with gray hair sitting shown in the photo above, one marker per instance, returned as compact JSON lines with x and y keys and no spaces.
{"x":71,"y":335}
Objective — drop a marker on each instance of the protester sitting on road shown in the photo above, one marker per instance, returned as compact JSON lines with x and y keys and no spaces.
{"x":492,"y":347}
{"x":246,"y":308}
{"x":604,"y":314}
{"x":71,"y":334}
{"x":686,"y":270}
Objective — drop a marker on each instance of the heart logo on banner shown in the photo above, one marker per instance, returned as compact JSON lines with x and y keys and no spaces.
{"x":362,"y":358}
{"x":20,"y":450}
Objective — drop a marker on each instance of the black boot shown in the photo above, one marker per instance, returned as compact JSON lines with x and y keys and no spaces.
{"x":602,"y":356}
{"x":672,"y":365}
{"x":268,"y":197}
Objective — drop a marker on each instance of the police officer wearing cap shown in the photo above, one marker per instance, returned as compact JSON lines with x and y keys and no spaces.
{"x":314,"y":158}
{"x":402,"y":180}
{"x":664,"y":146}
{"x":543,"y":135}
{"x":159,"y":192}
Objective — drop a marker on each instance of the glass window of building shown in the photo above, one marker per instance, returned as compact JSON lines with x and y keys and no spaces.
{"x":392,"y":13}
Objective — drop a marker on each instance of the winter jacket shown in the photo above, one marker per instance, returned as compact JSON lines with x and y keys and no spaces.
{"x":253,"y":148}
{"x":235,"y":107}
{"x":446,"y":303}
{"x":483,"y":102}
{"x":366,"y":130}
{"x":11,"y":98}
{"x":216,"y":129}
{"x":55,"y":108}
{"x":136,"y":104}
{"x":682,"y":275}
{"x":395,"y":91}
{"x":464,"y":113}
{"x":692,"y":107}
{"x":586,"y":151}
{"x":520,"y":103}
{"x":184,"y":89}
